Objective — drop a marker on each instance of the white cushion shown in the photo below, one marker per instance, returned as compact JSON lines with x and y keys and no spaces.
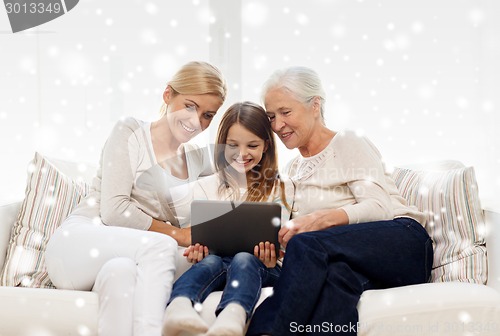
{"x":452,"y":308}
{"x":39,"y":311}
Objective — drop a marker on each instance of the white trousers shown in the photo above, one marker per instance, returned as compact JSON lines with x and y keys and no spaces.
{"x":131,"y":270}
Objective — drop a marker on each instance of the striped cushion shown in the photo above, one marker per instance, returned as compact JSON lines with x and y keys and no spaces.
{"x":455,"y":220}
{"x":50,"y":196}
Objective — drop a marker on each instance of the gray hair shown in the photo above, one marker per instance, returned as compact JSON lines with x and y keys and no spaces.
{"x":302,"y":82}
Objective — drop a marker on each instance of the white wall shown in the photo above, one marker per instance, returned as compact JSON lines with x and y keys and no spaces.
{"x":64,"y":84}
{"x":420,"y":78}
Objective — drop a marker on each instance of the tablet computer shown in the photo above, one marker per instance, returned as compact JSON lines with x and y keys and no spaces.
{"x":227,"y":228}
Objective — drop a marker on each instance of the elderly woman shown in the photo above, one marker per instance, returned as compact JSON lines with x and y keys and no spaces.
{"x":351,"y":230}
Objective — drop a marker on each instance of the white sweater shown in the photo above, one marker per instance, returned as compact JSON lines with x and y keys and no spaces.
{"x":130,"y":188}
{"x":348,"y":174}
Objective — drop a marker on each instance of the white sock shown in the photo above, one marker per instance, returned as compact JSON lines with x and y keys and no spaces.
{"x":230,"y":322}
{"x":181,"y":316}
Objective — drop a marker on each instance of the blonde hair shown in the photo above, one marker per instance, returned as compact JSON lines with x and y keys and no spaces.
{"x":198,"y":78}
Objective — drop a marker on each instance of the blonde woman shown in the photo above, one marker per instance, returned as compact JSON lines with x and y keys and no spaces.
{"x":121,"y":240}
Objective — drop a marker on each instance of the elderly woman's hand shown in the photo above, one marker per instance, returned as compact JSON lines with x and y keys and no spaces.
{"x":294,"y":226}
{"x":318,"y":220}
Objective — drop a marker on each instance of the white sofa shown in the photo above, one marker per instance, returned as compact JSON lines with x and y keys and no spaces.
{"x":452,"y":308}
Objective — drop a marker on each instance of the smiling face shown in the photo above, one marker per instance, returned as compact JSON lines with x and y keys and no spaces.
{"x":189,"y":115}
{"x":243,"y":149}
{"x":293,"y":121}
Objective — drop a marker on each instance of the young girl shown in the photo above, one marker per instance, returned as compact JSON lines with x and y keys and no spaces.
{"x":246,"y":165}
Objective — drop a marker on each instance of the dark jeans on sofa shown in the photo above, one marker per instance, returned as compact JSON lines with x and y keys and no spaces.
{"x":325,"y":272}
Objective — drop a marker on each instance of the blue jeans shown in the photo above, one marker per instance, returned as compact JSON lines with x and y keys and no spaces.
{"x":241,"y":277}
{"x":325,"y":272}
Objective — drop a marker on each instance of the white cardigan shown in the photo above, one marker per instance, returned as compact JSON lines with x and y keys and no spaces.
{"x":348,"y":174}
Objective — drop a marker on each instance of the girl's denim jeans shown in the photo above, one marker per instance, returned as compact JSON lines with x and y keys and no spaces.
{"x":241,"y":277}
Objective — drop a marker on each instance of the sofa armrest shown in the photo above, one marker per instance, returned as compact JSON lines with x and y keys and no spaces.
{"x":8,"y":215}
{"x":492,"y":218}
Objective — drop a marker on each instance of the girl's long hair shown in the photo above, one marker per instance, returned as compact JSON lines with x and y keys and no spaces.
{"x":263,"y":178}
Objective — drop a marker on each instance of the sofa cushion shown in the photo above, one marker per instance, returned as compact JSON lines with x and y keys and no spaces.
{"x":50,"y":196}
{"x":36,"y":311}
{"x":430,"y":309}
{"x":449,"y":198}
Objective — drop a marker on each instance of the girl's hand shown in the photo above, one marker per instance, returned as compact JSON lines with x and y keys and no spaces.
{"x":195,"y":253}
{"x":266,"y":253}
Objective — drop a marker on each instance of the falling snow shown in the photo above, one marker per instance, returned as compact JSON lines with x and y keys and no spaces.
{"x":380,"y":61}
{"x":420,"y":81}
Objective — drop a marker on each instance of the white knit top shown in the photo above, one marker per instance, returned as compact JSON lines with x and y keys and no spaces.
{"x":131,"y":188}
{"x":348,"y":174}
